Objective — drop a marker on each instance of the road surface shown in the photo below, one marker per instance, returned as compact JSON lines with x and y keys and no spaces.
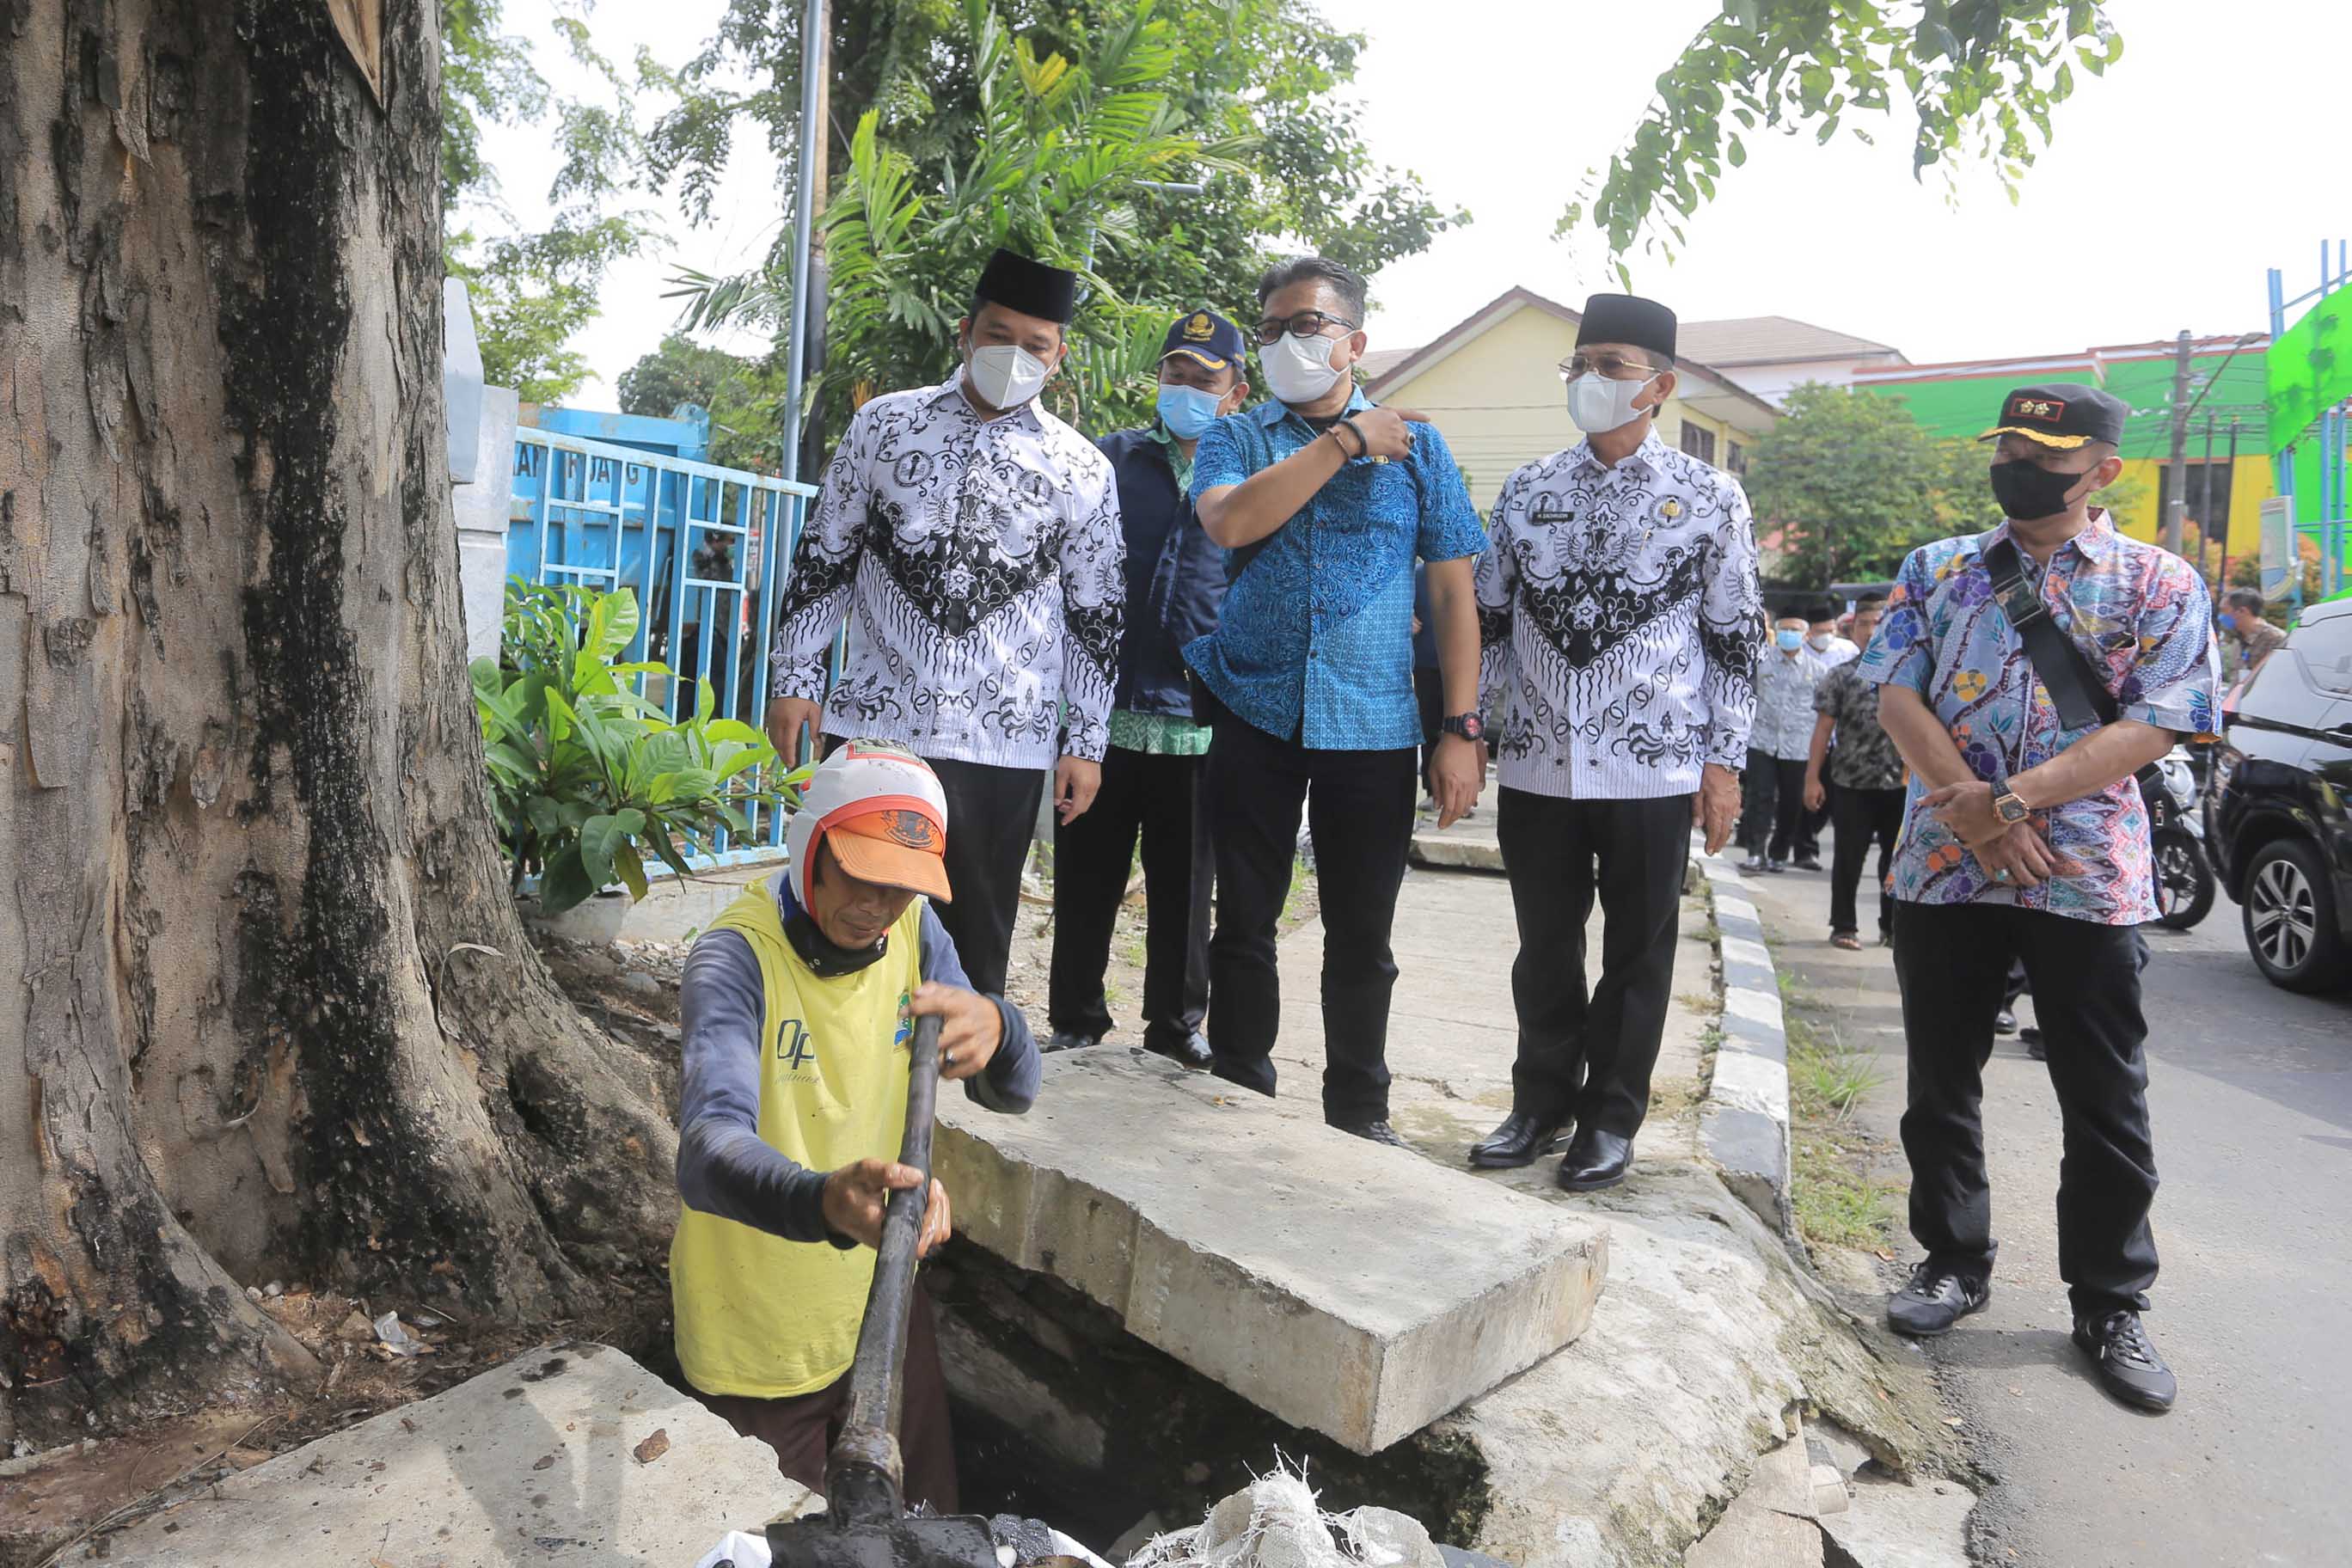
{"x":2251,"y":1093}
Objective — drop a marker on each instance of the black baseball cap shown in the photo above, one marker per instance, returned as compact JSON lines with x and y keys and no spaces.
{"x":2065,"y":415}
{"x":1205,"y":336}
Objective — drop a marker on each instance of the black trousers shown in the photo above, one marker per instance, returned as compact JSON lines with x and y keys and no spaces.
{"x":1158,"y":799}
{"x":1775,"y":793}
{"x":1809,"y":826}
{"x":992,"y":817}
{"x":1593,"y":1053}
{"x":1953,"y":964}
{"x":1359,"y":809}
{"x":1862,"y":818}
{"x":1429,"y":695}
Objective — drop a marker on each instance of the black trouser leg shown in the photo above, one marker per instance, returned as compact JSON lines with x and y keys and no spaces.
{"x":1861,"y":816}
{"x":2087,"y":993}
{"x":1359,"y":813}
{"x":1256,"y":786}
{"x":1429,"y":695}
{"x":1950,"y":961}
{"x":1808,"y":830}
{"x":1760,"y":787}
{"x":1091,"y":857}
{"x":1788,"y":806}
{"x":992,"y":817}
{"x":1178,"y":870}
{"x":1642,"y":847}
{"x":1884,"y":817}
{"x":1548,"y":859}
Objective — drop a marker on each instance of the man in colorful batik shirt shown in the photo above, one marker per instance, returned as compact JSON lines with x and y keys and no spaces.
{"x":2025,"y":839}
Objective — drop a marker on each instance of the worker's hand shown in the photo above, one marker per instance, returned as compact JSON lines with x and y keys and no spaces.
{"x":1715,"y":809}
{"x":2021,"y":858}
{"x":787,"y":717}
{"x":1076,"y":780}
{"x":1816,"y":795}
{"x":1457,"y":772}
{"x":1388,"y":432}
{"x":1967,"y":810}
{"x":970,"y":1027}
{"x":858,"y":1195}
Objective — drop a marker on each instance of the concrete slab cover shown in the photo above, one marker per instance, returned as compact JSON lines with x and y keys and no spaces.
{"x":532,"y":1463}
{"x":1357,"y":1290}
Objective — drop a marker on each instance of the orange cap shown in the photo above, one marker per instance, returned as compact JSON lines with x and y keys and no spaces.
{"x":893,"y":847}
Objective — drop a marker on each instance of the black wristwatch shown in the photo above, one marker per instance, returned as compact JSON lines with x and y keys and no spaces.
{"x":1469,"y":726}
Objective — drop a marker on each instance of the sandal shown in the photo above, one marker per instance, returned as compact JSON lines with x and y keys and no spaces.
{"x":1849,"y":941}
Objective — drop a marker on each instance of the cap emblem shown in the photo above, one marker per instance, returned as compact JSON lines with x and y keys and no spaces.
{"x":911,"y":828}
{"x":1200,"y":329}
{"x":2048,"y":408}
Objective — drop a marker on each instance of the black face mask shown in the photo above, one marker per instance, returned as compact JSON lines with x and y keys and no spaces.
{"x":2027,"y":491}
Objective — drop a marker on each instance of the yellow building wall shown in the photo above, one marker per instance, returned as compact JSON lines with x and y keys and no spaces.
{"x":2251,"y":483}
{"x":1500,"y":402}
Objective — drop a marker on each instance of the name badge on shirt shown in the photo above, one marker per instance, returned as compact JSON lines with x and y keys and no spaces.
{"x":1543,"y":516}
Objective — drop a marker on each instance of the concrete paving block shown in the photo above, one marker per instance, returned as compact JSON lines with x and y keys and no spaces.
{"x":1261,"y":1248}
{"x":532,"y":1463}
{"x":1750,"y":1535}
{"x":1744,"y":1125}
{"x":1891,"y":1525}
{"x":1443,"y":851}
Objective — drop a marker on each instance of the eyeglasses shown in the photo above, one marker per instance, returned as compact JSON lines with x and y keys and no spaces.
{"x":1305,"y":324}
{"x":1616,"y":367}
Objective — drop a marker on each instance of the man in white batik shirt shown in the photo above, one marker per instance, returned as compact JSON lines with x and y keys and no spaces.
{"x":1618,"y":615}
{"x":972,"y":543}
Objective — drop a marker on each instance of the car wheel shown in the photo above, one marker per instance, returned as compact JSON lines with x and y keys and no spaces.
{"x":2289,"y":911}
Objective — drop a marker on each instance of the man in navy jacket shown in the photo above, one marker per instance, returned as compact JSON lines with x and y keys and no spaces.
{"x":1151,"y":772}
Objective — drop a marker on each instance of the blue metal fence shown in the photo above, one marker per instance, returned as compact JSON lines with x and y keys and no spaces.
{"x":704,"y":548}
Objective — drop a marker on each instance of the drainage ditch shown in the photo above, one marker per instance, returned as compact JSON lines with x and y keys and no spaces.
{"x":1061,"y":1414}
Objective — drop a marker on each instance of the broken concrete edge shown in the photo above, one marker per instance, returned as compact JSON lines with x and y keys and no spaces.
{"x":1441,"y":853}
{"x":1744,"y":1121}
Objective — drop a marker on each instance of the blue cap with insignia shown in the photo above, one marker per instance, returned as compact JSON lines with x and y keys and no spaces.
{"x":1207,"y":337}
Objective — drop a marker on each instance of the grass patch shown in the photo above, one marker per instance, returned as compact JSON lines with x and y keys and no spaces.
{"x":1302,"y":880}
{"x":1838,"y":1201}
{"x":1138,"y":951}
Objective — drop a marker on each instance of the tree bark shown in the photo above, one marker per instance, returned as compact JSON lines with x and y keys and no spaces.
{"x":243,"y":787}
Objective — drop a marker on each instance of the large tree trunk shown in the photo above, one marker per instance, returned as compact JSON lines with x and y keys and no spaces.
{"x":243,"y":811}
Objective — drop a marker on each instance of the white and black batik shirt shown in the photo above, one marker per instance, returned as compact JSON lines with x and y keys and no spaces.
{"x":982,"y":566}
{"x":1620,"y":612}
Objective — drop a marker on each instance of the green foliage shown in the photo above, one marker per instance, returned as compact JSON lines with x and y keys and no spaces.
{"x":532,"y":291}
{"x":1979,"y":79}
{"x":1847,"y":484}
{"x":744,"y":397}
{"x":586,"y":775}
{"x":1073,"y":102}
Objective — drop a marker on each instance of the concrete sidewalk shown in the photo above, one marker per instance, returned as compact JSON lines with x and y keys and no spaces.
{"x":1711,"y":1342}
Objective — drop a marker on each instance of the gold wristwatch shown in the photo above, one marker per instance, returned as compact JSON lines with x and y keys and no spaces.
{"x":2008,"y":807}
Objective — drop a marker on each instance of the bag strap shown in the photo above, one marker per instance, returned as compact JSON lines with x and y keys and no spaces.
{"x":2083,"y":699}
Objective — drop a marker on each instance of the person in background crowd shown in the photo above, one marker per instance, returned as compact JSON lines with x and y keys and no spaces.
{"x":972,"y":543}
{"x":1828,"y":643}
{"x":1621,"y":731}
{"x":2257,"y":639}
{"x":796,"y":1007}
{"x":1867,"y":771}
{"x":1777,"y":748}
{"x":1324,"y":501}
{"x":1825,"y":640}
{"x":1428,"y":689}
{"x":1151,"y":773}
{"x":2028,"y":840}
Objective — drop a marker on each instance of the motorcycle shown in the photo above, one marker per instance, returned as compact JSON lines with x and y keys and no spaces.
{"x":2184,"y":883}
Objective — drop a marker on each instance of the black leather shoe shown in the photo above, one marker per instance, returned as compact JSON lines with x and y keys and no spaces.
{"x":2031,"y":1038}
{"x":1373,"y":1133}
{"x":1068,"y":1040}
{"x":2004,"y":1022}
{"x":1807,"y":863}
{"x":2128,"y":1365}
{"x":1594,"y":1160}
{"x":1521,"y":1139}
{"x":1934,"y":1301}
{"x":1189,"y":1051}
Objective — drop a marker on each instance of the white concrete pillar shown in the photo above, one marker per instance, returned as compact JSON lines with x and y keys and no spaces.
{"x":481,"y":502}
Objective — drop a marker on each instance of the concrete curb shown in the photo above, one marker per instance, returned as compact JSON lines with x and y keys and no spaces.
{"x":1744,"y":1126}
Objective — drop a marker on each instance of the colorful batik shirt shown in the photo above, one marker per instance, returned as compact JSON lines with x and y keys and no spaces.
{"x":1865,"y":757}
{"x":2143,"y":618}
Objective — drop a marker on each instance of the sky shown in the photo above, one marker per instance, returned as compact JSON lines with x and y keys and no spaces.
{"x":2212,"y":151}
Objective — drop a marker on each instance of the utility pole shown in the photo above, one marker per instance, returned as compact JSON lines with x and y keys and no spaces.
{"x":2224,"y":573}
{"x":2178,"y":493}
{"x":2205,"y":498}
{"x":804,"y":444}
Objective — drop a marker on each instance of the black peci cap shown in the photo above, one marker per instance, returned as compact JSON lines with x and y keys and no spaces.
{"x":2065,"y":415}
{"x":1627,"y":318}
{"x":1031,"y":288}
{"x":1206,"y":337}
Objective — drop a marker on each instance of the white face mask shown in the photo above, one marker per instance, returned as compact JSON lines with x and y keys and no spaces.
{"x":1599,"y":404}
{"x":1298,"y":369}
{"x":1007,"y":375}
{"x":1821,"y":643}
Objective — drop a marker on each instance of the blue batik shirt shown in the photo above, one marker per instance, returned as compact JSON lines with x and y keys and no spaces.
{"x":1315,"y":638}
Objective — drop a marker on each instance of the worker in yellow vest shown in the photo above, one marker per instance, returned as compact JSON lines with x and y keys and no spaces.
{"x":799,"y":1005}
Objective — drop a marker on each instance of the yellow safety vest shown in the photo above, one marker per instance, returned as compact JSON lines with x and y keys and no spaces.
{"x":758,"y":1315}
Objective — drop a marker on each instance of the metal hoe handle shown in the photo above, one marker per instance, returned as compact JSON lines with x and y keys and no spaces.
{"x":864,"y":1476}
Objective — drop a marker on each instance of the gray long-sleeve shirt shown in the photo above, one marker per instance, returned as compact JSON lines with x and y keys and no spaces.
{"x":724,"y":1167}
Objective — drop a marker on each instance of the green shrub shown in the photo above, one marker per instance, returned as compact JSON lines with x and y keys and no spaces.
{"x":586,"y":775}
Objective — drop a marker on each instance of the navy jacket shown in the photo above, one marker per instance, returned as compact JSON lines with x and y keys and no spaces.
{"x":1175,"y":576}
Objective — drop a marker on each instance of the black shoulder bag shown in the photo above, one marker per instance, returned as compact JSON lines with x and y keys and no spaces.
{"x":2080,"y":695}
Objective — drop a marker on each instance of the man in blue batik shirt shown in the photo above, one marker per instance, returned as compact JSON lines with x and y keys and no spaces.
{"x":1324,"y":501}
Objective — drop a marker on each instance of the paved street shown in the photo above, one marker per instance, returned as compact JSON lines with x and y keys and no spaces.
{"x":2252,"y":1095}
